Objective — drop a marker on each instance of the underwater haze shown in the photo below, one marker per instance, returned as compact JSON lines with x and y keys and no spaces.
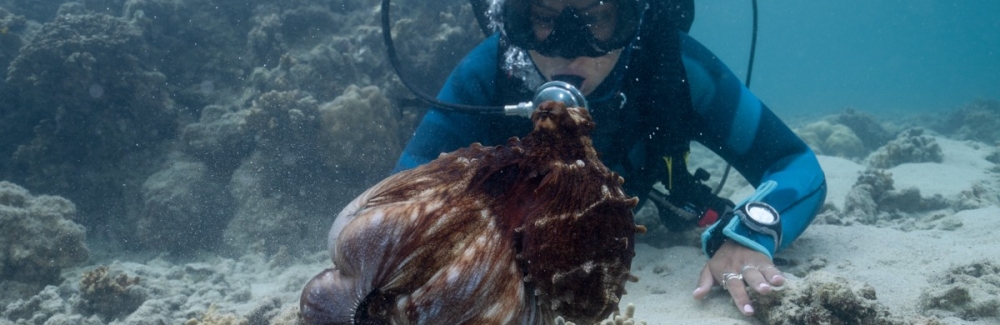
{"x":182,"y":161}
{"x":883,"y":56}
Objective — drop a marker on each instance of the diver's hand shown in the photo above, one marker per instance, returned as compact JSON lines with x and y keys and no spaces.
{"x":736,"y":267}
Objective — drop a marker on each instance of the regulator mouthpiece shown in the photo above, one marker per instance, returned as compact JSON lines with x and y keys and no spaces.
{"x":559,"y":91}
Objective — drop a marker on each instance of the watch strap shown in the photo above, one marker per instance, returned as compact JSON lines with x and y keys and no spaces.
{"x":734,"y":229}
{"x":730,"y":227}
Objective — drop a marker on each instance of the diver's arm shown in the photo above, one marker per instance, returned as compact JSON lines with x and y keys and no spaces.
{"x":742,"y":130}
{"x":470,"y":83}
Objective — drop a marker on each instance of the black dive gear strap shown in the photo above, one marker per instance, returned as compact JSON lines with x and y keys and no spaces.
{"x":651,"y":132}
{"x":593,"y":31}
{"x":667,"y":131}
{"x":759,"y":217}
{"x":688,"y":202}
{"x":716,"y":237}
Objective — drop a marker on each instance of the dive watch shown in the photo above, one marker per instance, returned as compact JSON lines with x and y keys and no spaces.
{"x":762,"y":218}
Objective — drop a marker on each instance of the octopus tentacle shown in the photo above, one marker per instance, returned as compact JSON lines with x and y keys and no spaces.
{"x":485,"y":235}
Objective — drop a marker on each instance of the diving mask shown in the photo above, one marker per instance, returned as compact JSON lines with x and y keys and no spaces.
{"x":592,"y":30}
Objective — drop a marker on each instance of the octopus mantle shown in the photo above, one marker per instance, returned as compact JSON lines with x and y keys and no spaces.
{"x":512,"y":234}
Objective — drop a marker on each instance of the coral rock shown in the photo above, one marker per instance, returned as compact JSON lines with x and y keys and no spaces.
{"x":108,"y":293}
{"x":38,"y":238}
{"x":823,"y":298}
{"x":970,"y":292}
{"x":911,"y":146}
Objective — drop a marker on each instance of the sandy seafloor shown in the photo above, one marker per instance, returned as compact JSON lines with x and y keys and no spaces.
{"x":904,"y":265}
{"x":929,"y":259}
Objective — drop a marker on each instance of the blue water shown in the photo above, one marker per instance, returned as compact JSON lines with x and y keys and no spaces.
{"x":885,"y":57}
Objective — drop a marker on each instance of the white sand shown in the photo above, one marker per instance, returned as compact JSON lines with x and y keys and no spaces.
{"x":898,"y":264}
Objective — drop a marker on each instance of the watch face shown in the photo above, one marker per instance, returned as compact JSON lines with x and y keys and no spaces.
{"x":761,"y":214}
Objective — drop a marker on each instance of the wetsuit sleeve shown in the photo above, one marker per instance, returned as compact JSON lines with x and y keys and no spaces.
{"x":470,"y":83}
{"x":743,"y":131}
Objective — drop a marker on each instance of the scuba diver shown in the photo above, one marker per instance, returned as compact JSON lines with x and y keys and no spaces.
{"x":651,"y":89}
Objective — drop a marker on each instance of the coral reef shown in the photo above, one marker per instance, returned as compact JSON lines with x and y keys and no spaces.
{"x":910,"y":146}
{"x":34,"y":10}
{"x":10,"y":40}
{"x":88,"y":109}
{"x":185,"y":207}
{"x":430,"y":38}
{"x":868,"y":129}
{"x":221,"y":138}
{"x":280,"y":35}
{"x":285,"y":126}
{"x":111,"y":96}
{"x":281,"y":28}
{"x":978,"y":196}
{"x":850,"y":134}
{"x":354,"y":139}
{"x":359,"y":134}
{"x":874,"y":201}
{"x":823,"y":298}
{"x":994,"y":157}
{"x":38,"y":238}
{"x":974,"y":121}
{"x":198,"y":45}
{"x":826,"y":138}
{"x":109,"y":294}
{"x":276,"y":188}
{"x":451,"y":37}
{"x":970,"y":292}
{"x":47,"y":307}
{"x":168,"y":293}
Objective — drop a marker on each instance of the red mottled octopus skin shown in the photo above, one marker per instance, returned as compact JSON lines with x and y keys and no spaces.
{"x":512,"y":234}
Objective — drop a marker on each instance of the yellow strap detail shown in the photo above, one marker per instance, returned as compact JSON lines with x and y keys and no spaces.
{"x":670,"y":169}
{"x":670,"y":172}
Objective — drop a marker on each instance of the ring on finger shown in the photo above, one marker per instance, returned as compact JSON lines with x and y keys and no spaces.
{"x":729,"y":276}
{"x":747,"y":267}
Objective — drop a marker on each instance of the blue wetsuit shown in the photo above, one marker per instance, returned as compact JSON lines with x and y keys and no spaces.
{"x":730,"y":120}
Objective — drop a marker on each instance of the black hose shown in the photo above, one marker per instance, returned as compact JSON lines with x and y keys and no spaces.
{"x":394,"y":61}
{"x":753,"y":45}
{"x":753,"y":51}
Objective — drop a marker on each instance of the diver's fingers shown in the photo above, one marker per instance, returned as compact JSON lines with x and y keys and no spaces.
{"x":705,"y":282}
{"x":737,"y":289}
{"x":755,"y":279}
{"x":773,"y":275}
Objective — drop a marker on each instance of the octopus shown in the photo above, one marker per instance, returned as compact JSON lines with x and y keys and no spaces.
{"x":520,"y":233}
